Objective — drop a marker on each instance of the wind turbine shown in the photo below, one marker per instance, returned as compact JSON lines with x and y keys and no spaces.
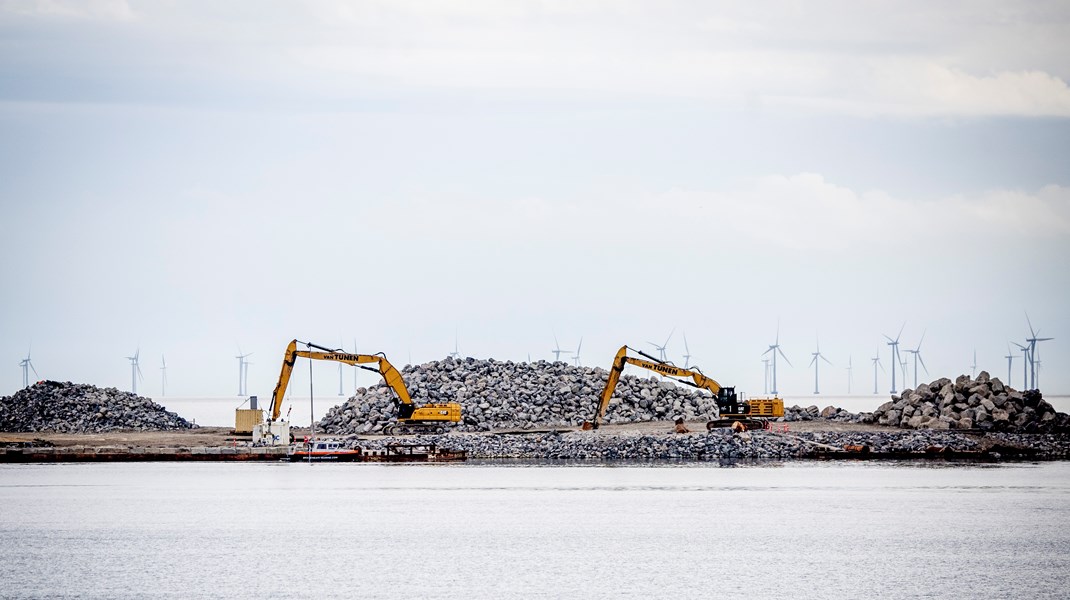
{"x":27,"y":366}
{"x":849,"y":368}
{"x":917,"y":356}
{"x":557,"y":351}
{"x":661,"y":348}
{"x":687,"y":356}
{"x":1025,"y":364}
{"x":775,"y":349}
{"x":895,"y":352}
{"x":1010,"y":359}
{"x":876,"y":362}
{"x":241,"y":371}
{"x":1033,"y":352}
{"x":456,"y":354}
{"x":163,"y":375}
{"x":576,"y":357}
{"x":135,"y":370}
{"x":815,"y":364}
{"x":973,"y":367}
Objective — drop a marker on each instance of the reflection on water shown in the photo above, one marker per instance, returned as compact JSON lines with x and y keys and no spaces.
{"x":690,"y":530}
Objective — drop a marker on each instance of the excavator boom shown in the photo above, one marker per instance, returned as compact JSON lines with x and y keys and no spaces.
{"x":408,"y":412}
{"x":727,"y":402}
{"x":390,"y":374}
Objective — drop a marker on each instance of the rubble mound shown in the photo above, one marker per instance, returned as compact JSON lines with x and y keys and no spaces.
{"x":984,"y":403}
{"x":508,"y":395}
{"x":81,"y":408}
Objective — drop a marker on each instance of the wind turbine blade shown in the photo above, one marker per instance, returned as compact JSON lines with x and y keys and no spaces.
{"x":785,"y":357}
{"x":1019,"y":345}
{"x":824,"y":359}
{"x":767,"y":351}
{"x":669,"y":338}
{"x":580,"y":346}
{"x":901,"y":331}
{"x":888,"y":338}
{"x":1033,"y":333}
{"x":922,"y":361}
{"x":812,"y":361}
{"x":33,"y":369}
{"x":921,"y":340}
{"x":686,"y":349}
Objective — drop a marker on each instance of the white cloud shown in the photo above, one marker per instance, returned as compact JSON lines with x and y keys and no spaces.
{"x":903,"y":59}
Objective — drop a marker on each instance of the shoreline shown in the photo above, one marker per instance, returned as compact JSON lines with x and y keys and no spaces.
{"x":647,"y":442}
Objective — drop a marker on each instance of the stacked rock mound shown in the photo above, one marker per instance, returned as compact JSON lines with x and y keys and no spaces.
{"x":80,"y":408}
{"x":983,"y":403}
{"x":507,"y":395}
{"x":829,"y":413}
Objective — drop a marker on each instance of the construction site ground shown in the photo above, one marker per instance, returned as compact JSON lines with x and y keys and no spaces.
{"x":224,"y":436}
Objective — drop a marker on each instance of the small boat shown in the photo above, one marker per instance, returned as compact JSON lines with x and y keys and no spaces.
{"x":323,"y":450}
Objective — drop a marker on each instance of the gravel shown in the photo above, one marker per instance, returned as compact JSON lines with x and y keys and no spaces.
{"x":81,"y":408}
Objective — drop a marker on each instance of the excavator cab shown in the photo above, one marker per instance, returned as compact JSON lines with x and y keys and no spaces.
{"x":728,"y":402}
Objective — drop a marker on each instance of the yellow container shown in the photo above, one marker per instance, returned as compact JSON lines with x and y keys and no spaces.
{"x":247,"y":418}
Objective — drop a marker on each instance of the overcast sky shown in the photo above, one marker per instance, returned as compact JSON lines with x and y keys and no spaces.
{"x":191,"y":178}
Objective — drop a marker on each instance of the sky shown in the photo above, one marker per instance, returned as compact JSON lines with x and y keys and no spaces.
{"x":195,"y":180}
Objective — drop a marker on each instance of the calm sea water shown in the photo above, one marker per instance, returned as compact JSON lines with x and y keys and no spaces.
{"x":800,"y":530}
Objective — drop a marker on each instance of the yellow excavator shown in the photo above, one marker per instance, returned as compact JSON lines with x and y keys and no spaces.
{"x":731,"y":408}
{"x":275,"y":432}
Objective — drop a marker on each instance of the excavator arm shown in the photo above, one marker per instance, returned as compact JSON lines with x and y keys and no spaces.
{"x":685,"y":376}
{"x":390,"y":374}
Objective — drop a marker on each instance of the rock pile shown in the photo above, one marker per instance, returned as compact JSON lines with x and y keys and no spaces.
{"x":984,"y":403}
{"x":80,"y":408}
{"x":829,"y":413}
{"x":507,"y":395}
{"x":723,"y":445}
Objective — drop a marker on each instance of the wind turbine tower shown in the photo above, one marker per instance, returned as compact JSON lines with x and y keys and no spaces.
{"x":1010,"y":359}
{"x":973,"y":367}
{"x":163,"y":375}
{"x":27,"y":366}
{"x":241,"y":371}
{"x":1025,"y":364}
{"x":775,"y":349}
{"x":661,"y":348}
{"x":456,"y":354}
{"x":849,"y":368}
{"x":876,"y":363}
{"x":815,"y":364}
{"x":340,"y":349}
{"x":765,"y":382}
{"x":895,"y":352}
{"x":917,"y":357}
{"x":135,"y":370}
